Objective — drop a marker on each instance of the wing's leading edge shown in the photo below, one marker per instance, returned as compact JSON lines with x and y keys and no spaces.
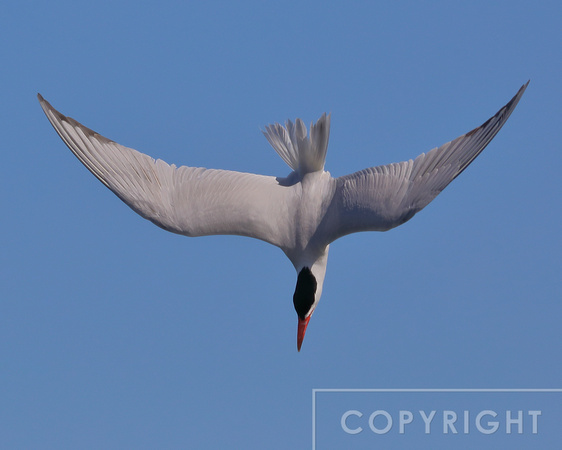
{"x":185,"y":200}
{"x":383,"y":197}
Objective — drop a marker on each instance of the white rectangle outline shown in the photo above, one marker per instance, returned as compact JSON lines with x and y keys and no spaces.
{"x":314,"y":391}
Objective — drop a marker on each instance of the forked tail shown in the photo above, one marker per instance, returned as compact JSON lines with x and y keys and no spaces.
{"x":301,"y":152}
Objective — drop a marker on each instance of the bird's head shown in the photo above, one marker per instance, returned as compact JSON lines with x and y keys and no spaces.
{"x":305,"y":298}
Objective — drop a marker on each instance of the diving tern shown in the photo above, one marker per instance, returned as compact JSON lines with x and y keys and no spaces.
{"x":301,"y":213}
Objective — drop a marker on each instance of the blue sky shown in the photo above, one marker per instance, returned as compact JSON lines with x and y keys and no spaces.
{"x":116,"y":334}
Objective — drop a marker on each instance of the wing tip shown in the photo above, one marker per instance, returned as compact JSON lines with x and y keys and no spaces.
{"x":44,"y":103}
{"x":504,"y":111}
{"x":50,"y":111}
{"x":48,"y":108}
{"x":519,"y":93}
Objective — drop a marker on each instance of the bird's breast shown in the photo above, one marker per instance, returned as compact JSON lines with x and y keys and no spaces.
{"x":314,"y":196}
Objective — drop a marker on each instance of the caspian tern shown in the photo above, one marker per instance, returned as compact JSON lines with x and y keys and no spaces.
{"x":301,"y":213}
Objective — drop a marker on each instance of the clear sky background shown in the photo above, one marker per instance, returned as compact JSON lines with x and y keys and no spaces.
{"x":116,"y":334}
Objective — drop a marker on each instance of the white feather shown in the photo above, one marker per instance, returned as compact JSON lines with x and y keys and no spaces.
{"x":303,"y":213}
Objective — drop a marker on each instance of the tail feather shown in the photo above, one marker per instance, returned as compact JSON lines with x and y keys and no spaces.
{"x":302,"y":152}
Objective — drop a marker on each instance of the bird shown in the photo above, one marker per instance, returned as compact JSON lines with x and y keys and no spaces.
{"x":302,"y":213}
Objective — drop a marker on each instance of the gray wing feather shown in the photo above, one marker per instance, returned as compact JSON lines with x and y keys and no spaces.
{"x":383,"y":197}
{"x":186,"y":200}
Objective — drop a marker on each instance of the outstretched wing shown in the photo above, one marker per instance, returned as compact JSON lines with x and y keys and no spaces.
{"x":185,"y":200}
{"x":383,"y":197}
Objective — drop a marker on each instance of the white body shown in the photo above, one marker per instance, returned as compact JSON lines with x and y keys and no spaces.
{"x":302,"y":213}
